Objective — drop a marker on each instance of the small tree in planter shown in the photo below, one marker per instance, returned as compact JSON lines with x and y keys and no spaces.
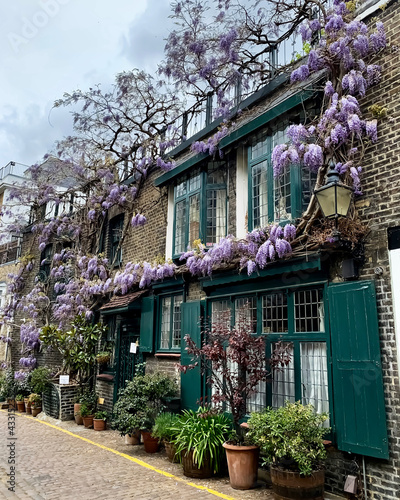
{"x":233,"y":360}
{"x":291,"y":441}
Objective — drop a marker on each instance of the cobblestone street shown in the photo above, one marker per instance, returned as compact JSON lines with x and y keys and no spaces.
{"x":60,"y":460}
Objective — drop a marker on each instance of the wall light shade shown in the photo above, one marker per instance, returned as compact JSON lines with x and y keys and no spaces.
{"x":334,"y":198}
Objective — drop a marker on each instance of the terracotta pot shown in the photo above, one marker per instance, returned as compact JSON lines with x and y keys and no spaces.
{"x":170,"y":449}
{"x":21,"y":406}
{"x":88,"y":421}
{"x":99,"y":424}
{"x":28,"y":408}
{"x":36,"y":411}
{"x":77,"y":415}
{"x":242,"y":465}
{"x":190,"y":469}
{"x":291,"y":485}
{"x":132,"y":438}
{"x":151,"y":445}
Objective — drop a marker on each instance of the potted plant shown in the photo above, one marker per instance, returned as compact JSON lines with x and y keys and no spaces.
{"x":233,"y":360}
{"x":87,"y":413}
{"x":138,"y":405}
{"x":90,"y":398}
{"x":103,"y":357}
{"x":36,"y":404}
{"x":199,"y":436}
{"x":9,"y":387}
{"x":291,"y":442}
{"x":164,"y":429}
{"x":127,"y":425}
{"x":99,"y":420}
{"x":20,"y":403}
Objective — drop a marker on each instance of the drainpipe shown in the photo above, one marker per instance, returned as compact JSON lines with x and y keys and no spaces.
{"x":365,"y":478}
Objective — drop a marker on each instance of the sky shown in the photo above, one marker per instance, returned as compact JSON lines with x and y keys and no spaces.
{"x":48,"y":47}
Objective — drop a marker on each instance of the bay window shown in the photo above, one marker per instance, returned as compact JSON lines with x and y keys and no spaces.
{"x":272,"y":198}
{"x":200,"y":201}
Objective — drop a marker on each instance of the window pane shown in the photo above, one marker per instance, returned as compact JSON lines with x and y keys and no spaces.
{"x":176,"y":337}
{"x":275,"y":313}
{"x":260,"y":194}
{"x":259,"y":146}
{"x":258,"y":400}
{"x":282,"y":200}
{"x":216,"y":215}
{"x":221,"y":312}
{"x":165,"y":322}
{"x":314,"y":376}
{"x":180,"y":189}
{"x":216,"y":173}
{"x":283,"y":386}
{"x":180,"y":226}
{"x":308,"y":180}
{"x":246,"y":311}
{"x":194,"y":181}
{"x":194,"y":218}
{"x":309,"y":311}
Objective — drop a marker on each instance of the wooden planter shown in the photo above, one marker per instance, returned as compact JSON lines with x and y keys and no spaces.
{"x":21,"y":406}
{"x":99,"y":424}
{"x":190,"y":469}
{"x":288,"y":485}
{"x":242,"y":465}
{"x":151,"y":444}
{"x":170,"y":450}
{"x":88,"y":421}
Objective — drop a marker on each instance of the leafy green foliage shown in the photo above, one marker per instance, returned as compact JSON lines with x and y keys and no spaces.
{"x":141,"y":402}
{"x":164,"y":427}
{"x":292,"y":434}
{"x":8,"y":384}
{"x":40,"y":379}
{"x":19,"y":397}
{"x":203,"y":431}
{"x":89,"y":399}
{"x":77,"y":346}
{"x":86,"y":410}
{"x":35,"y":399}
{"x":101,"y":415}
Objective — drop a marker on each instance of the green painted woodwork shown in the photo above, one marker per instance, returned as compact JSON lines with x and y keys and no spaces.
{"x":357,"y":374}
{"x":191,"y":381}
{"x":146,"y":343}
{"x":238,"y":134}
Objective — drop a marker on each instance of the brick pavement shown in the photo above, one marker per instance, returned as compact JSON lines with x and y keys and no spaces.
{"x":52,"y":464}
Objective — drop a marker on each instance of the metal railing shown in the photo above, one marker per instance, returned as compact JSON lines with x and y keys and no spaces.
{"x":200,"y":115}
{"x":13,"y":168}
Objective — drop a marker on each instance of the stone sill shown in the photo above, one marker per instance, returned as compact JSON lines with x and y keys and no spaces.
{"x":167,"y":355}
{"x":105,"y":377}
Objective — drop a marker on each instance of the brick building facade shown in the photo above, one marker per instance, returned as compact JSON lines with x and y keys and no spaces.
{"x":324,"y":309}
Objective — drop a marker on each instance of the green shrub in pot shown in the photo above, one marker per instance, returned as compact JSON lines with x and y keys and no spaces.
{"x":291,"y":437}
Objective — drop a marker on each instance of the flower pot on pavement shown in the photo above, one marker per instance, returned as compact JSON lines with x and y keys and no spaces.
{"x":151,"y":445}
{"x":28,"y":407}
{"x":242,"y":465}
{"x":21,"y":406}
{"x":191,"y":469}
{"x":36,"y":411}
{"x":288,"y":485}
{"x":132,"y":438}
{"x":77,"y":414}
{"x":99,"y":424}
{"x":88,"y":421}
{"x":170,"y":450}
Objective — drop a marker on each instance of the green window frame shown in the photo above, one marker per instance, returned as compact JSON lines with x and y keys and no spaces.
{"x":298,"y":317}
{"x":170,"y":322}
{"x":200,"y":207}
{"x":275,"y":199}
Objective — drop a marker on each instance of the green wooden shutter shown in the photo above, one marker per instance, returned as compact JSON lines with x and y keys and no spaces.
{"x":359,"y":403}
{"x":191,"y":380}
{"x":146,"y":343}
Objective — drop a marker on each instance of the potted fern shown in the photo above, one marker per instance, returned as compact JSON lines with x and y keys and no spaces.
{"x":199,"y":436}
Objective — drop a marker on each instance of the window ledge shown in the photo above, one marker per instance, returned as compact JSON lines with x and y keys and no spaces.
{"x":167,"y":355}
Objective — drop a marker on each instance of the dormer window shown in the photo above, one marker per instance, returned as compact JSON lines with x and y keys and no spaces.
{"x":200,"y":201}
